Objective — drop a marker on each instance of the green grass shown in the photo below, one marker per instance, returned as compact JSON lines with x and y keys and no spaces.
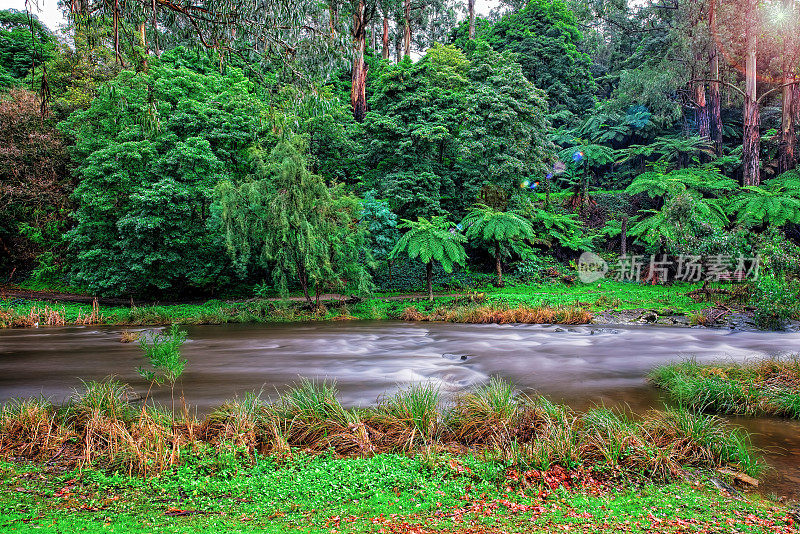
{"x":759,"y":387}
{"x":383,"y":493}
{"x":603,"y":296}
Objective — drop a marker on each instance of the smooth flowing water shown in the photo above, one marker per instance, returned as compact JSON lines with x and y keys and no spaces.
{"x":580,"y":366}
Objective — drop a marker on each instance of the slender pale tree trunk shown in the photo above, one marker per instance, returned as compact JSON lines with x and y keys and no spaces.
{"x":787,"y":158}
{"x":398,"y":47}
{"x":155,"y":29}
{"x":716,"y":102}
{"x":385,"y":37}
{"x":751,"y":143}
{"x":702,"y":114}
{"x":407,"y":28}
{"x":429,"y":279}
{"x":358,"y":91}
{"x":117,"y":53}
{"x":471,"y":9}
{"x":143,"y":44}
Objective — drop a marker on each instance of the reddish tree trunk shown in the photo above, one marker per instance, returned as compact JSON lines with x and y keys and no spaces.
{"x":385,"y":37}
{"x":358,"y":90}
{"x":155,"y":29}
{"x":407,"y":28}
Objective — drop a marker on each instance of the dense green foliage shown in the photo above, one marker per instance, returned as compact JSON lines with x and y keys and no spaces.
{"x":442,"y":128}
{"x":545,"y":38}
{"x":205,"y":156}
{"x":152,"y":148}
{"x":289,"y":218}
{"x":25,"y":44}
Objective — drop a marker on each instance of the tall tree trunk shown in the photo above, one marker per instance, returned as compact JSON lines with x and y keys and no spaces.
{"x":471,"y":8}
{"x":155,"y":29}
{"x":398,"y":47}
{"x":358,"y":91}
{"x":407,"y":28}
{"x":385,"y":37}
{"x":498,"y":265}
{"x":751,"y":143}
{"x":429,"y":279}
{"x":623,"y":237}
{"x":716,"y":102}
{"x":787,"y":159}
{"x":143,"y":44}
{"x":702,"y":115}
{"x":117,"y":54}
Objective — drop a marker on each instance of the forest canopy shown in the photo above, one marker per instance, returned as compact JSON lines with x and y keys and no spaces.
{"x":171,"y":150}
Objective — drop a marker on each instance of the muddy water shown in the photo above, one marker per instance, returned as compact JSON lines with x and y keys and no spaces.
{"x":581,"y":366}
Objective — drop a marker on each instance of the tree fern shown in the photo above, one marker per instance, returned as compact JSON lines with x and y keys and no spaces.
{"x":768,"y":205}
{"x":434,"y":239}
{"x":500,"y":231}
{"x":659,"y":184}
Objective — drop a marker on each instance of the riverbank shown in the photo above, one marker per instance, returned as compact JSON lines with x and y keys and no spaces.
{"x":606,"y":302}
{"x":381,"y":494}
{"x":107,"y":424}
{"x":495,"y":461}
{"x":763,"y":387}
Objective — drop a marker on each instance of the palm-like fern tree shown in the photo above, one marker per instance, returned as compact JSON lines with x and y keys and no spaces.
{"x":434,"y":239}
{"x":766,"y":205}
{"x":501,"y":231}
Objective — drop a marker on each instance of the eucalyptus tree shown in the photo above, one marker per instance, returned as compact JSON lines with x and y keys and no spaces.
{"x":431,"y":240}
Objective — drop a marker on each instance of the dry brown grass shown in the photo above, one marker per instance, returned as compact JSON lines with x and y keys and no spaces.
{"x":127,"y":336}
{"x":500,"y":314}
{"x":101,"y":427}
{"x":93,"y":318}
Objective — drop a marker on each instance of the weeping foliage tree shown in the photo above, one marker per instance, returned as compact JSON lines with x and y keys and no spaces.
{"x":434,"y":239}
{"x":501,"y":231}
{"x":287,"y":219}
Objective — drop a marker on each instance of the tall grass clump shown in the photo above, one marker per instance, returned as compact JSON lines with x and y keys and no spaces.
{"x":103,"y":426}
{"x":413,"y":414}
{"x":759,"y":387}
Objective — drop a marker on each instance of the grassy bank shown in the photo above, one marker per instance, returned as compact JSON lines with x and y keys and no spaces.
{"x":386,"y":493}
{"x":764,"y":387}
{"x":102,"y":427}
{"x":545,"y":303}
{"x":494,"y":460}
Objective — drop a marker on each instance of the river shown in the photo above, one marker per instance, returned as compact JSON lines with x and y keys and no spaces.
{"x":579,"y":366}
